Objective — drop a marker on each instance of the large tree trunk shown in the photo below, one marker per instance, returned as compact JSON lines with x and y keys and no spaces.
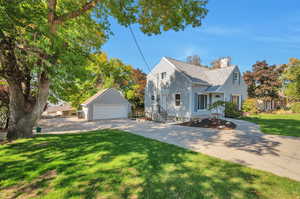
{"x":24,"y":114}
{"x":20,"y":126}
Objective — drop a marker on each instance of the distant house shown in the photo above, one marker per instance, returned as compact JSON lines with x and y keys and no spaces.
{"x":106,"y":104}
{"x":63,"y":110}
{"x":176,"y":89}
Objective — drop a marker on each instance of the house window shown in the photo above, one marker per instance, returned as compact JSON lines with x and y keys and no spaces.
{"x":163,"y":75}
{"x":235,"y":99}
{"x":235,"y":76}
{"x":202,"y":102}
{"x":177,"y":99}
{"x":152,"y":97}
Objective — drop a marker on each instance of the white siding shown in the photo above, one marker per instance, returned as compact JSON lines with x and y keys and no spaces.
{"x":85,"y":111}
{"x":109,"y":105}
{"x":175,"y":82}
{"x":235,"y":87}
{"x":102,"y":111}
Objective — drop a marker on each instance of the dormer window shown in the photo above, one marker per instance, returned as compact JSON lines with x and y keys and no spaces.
{"x":163,"y":75}
{"x":235,"y":76}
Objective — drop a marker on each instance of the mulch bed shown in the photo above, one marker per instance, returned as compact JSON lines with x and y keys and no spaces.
{"x":211,"y":123}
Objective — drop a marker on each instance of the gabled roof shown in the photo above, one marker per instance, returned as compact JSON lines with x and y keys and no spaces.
{"x":89,"y":100}
{"x":214,"y":78}
{"x":100,"y":93}
{"x":193,"y":72}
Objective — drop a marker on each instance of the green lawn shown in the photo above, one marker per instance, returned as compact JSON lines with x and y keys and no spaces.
{"x":276,"y":124}
{"x":115,"y":164}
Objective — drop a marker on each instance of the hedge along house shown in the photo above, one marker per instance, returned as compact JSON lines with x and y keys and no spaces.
{"x":176,"y":89}
{"x":106,"y":104}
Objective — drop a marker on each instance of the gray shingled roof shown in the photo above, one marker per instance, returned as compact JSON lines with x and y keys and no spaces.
{"x":195,"y":73}
{"x":89,"y":100}
{"x":199,"y":74}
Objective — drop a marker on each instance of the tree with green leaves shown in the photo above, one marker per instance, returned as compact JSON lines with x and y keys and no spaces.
{"x":44,"y":40}
{"x":99,"y":73}
{"x":291,"y":77}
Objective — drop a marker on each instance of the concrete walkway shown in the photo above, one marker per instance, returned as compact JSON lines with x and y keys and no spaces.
{"x":245,"y":145}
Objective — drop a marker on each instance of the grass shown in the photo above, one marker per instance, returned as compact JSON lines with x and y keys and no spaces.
{"x":277,"y":124}
{"x":115,"y":164}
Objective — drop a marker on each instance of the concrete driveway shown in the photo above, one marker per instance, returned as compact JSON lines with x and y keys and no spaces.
{"x":245,"y":145}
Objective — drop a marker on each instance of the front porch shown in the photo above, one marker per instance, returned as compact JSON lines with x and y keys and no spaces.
{"x":201,"y":103}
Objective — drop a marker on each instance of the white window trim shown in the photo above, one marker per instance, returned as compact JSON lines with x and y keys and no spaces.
{"x":202,"y":110}
{"x":240,"y":99}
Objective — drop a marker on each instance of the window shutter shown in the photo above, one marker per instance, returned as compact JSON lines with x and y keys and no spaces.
{"x":242,"y":101}
{"x":239,"y":79}
{"x":195,"y":102}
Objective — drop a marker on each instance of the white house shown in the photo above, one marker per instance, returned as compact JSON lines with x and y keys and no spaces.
{"x":178,"y":89}
{"x":106,"y":104}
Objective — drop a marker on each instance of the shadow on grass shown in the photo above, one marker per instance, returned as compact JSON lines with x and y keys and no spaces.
{"x":116,"y":164}
{"x":287,"y":127}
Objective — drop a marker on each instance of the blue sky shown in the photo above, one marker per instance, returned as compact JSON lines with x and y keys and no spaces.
{"x":246,"y":30}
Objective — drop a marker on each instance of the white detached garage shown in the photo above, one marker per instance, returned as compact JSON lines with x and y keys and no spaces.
{"x":106,"y":104}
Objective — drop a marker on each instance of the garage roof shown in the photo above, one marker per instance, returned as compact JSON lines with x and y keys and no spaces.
{"x":99,"y":94}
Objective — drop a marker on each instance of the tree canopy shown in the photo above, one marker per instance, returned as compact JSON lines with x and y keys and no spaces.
{"x":291,"y":77}
{"x":263,"y":81}
{"x":99,"y":73}
{"x":47,"y":41}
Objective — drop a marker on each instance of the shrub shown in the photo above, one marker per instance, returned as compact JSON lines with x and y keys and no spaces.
{"x":295,"y":107}
{"x":250,"y":106}
{"x":282,"y":111}
{"x":231,"y":109}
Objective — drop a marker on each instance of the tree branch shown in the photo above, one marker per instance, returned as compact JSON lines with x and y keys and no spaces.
{"x":89,"y":5}
{"x":41,"y":54}
{"x":52,"y":14}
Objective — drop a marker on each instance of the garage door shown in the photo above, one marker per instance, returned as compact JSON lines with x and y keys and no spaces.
{"x":110,"y":111}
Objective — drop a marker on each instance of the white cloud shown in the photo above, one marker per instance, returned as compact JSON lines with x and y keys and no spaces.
{"x":222,"y":30}
{"x":287,"y":39}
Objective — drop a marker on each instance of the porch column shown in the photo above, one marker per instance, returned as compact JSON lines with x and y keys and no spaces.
{"x":210,"y":99}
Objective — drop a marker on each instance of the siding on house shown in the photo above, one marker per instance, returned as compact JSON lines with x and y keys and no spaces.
{"x":182,"y":78}
{"x":235,"y":87}
{"x":175,"y":82}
